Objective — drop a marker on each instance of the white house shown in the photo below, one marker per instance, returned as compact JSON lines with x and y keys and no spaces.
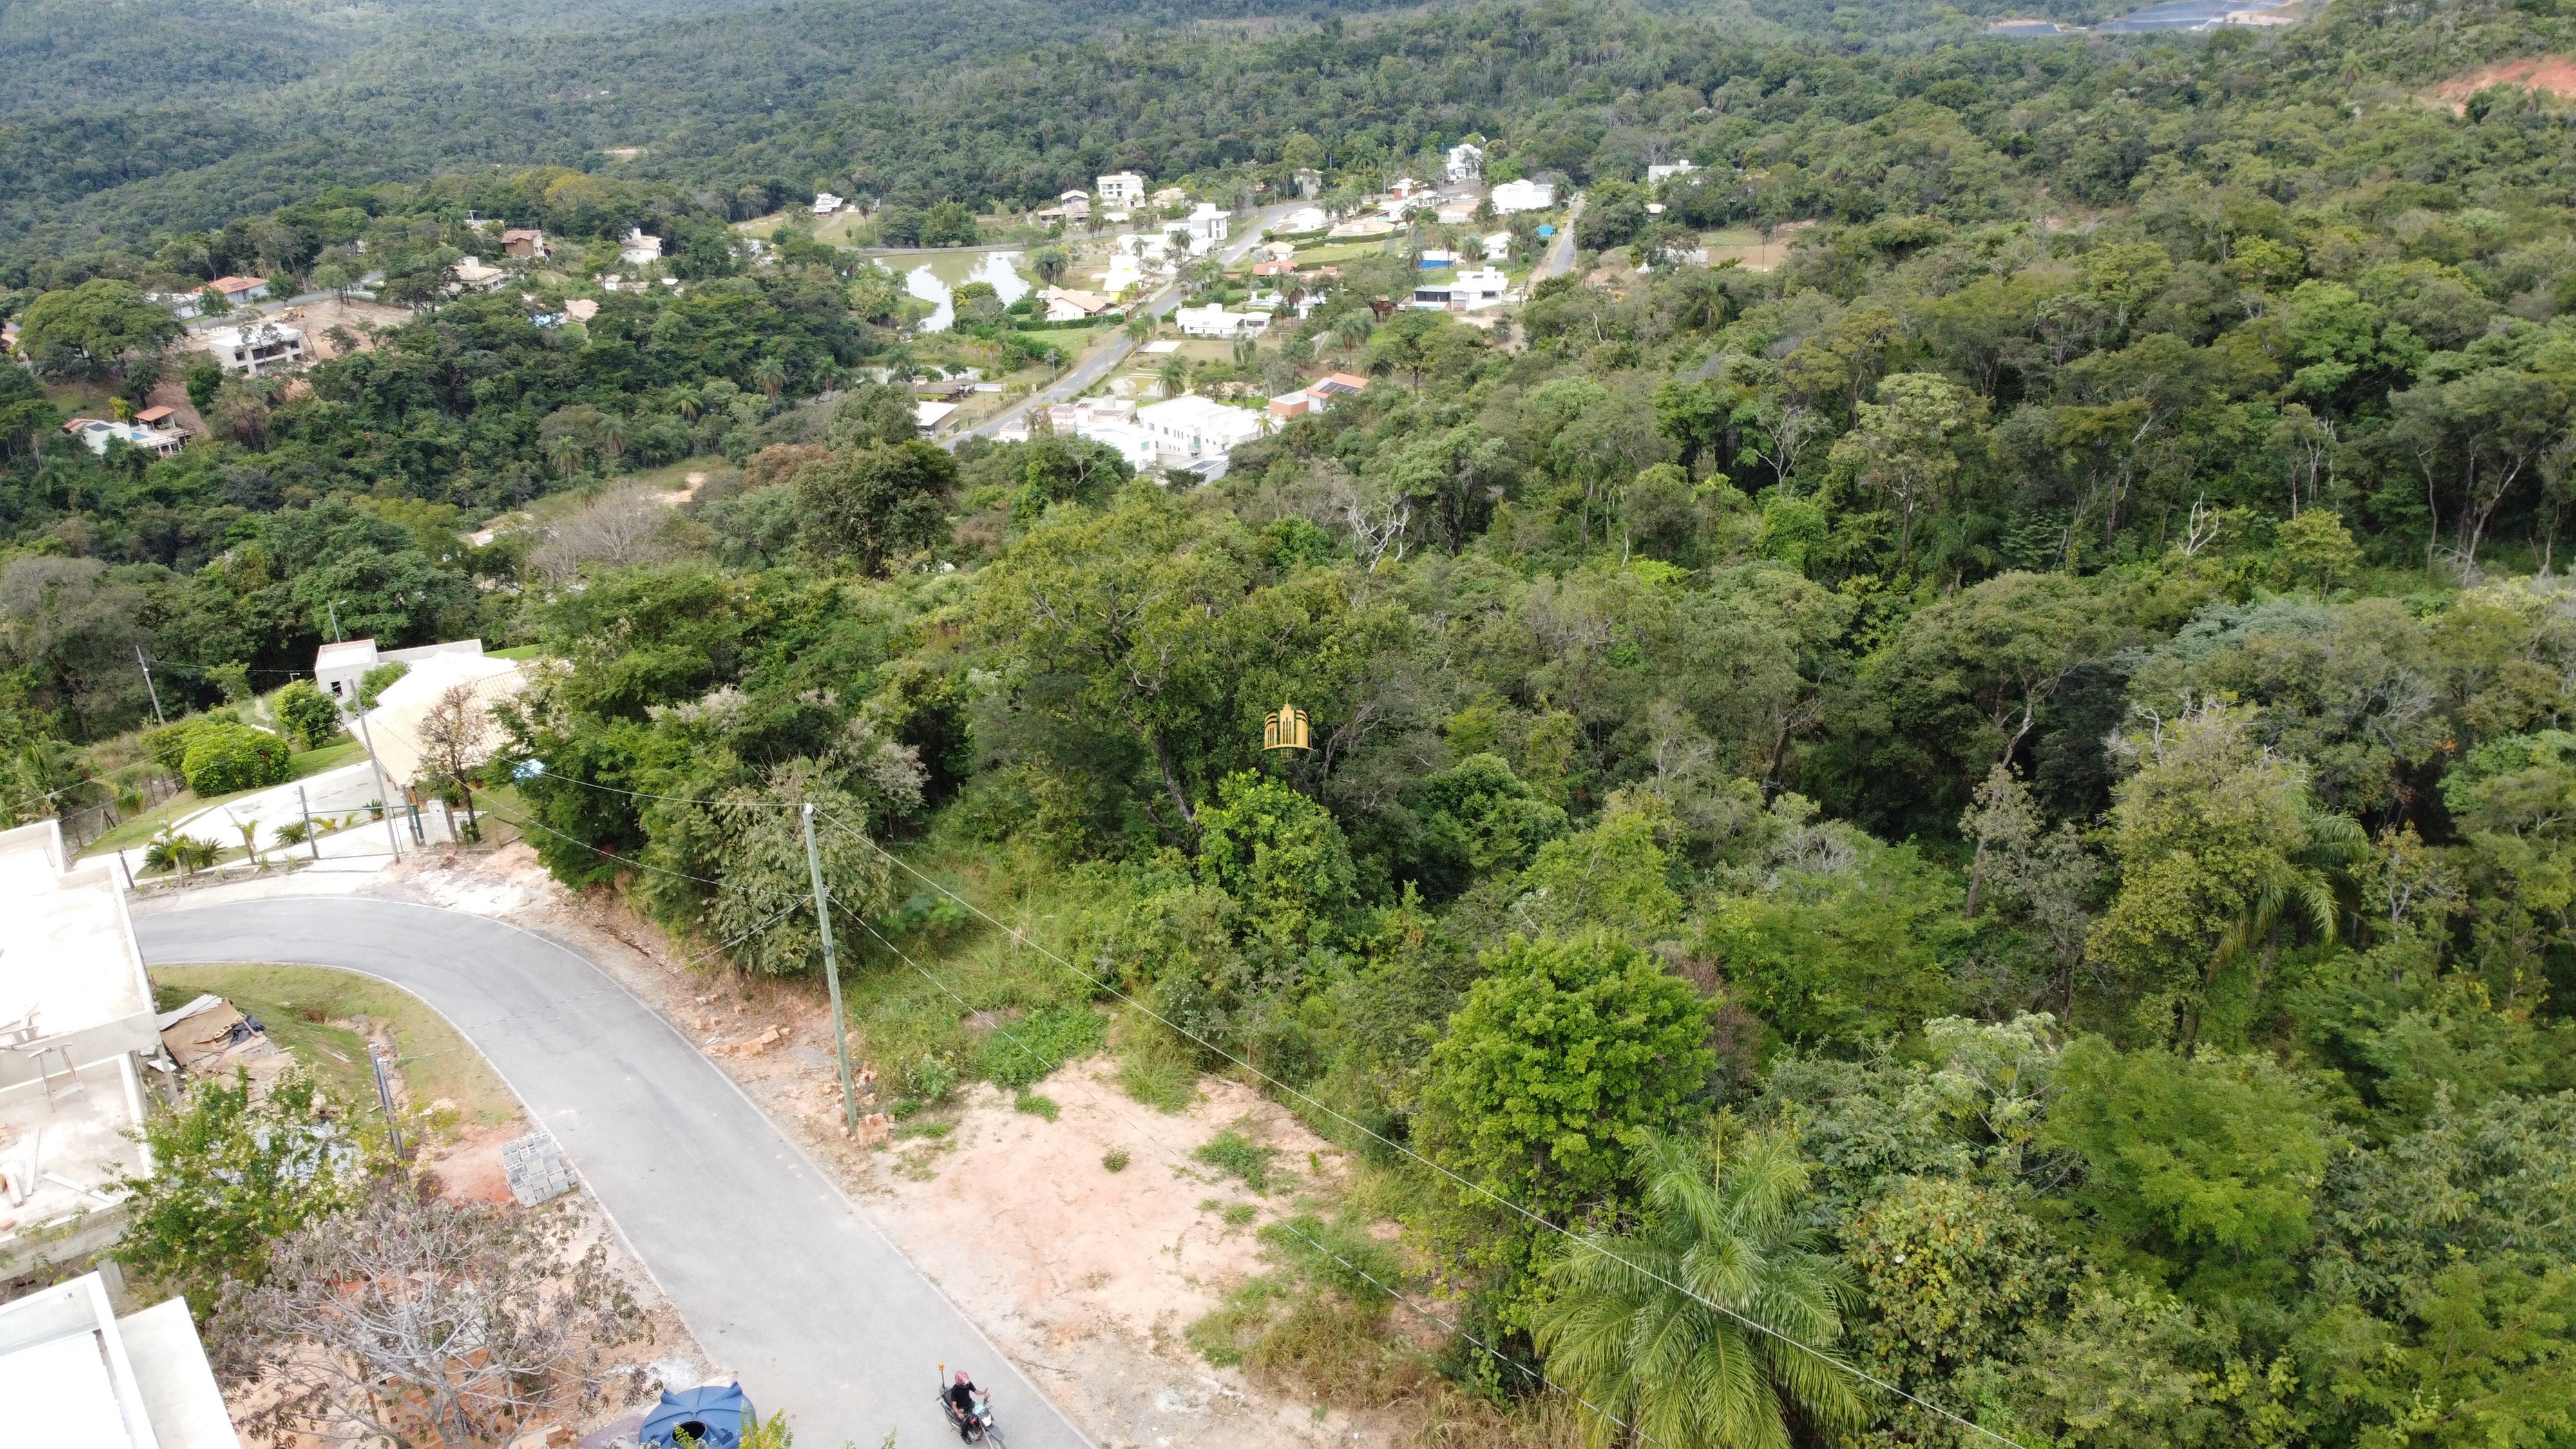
{"x":1497,"y":245}
{"x":337,"y":668}
{"x":256,"y":350}
{"x":238,"y":290}
{"x":472,"y":275}
{"x":96,"y":433}
{"x":639,"y":250}
{"x":76,"y":1023}
{"x":1514,"y":196}
{"x":826,"y":204}
{"x":182,"y":305}
{"x":1304,"y":219}
{"x":1209,"y":223}
{"x":1466,"y":164}
{"x":1189,"y":429}
{"x":1478,"y":287}
{"x":72,"y":1372}
{"x":1120,"y":188}
{"x":1656,"y":174}
{"x":1064,"y":304}
{"x":1213,"y":320}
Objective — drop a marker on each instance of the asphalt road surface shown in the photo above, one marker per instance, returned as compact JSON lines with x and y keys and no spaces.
{"x":1560,"y":253}
{"x":1114,"y":351}
{"x":775,"y":1272}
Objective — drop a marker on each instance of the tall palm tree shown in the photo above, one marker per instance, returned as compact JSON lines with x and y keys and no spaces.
{"x":564,"y":451}
{"x":614,"y":430}
{"x":688,"y":402}
{"x":1721,"y":1221}
{"x":769,"y":375}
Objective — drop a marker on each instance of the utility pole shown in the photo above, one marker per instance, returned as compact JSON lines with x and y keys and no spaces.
{"x":385,"y":1095}
{"x":334,"y":607}
{"x":157,"y":717}
{"x":384,"y":797}
{"x":306,"y":811}
{"x":832,"y":979}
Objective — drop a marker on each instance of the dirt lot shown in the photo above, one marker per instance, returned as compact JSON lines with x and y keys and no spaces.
{"x":1085,"y":1276}
{"x":2551,"y":74}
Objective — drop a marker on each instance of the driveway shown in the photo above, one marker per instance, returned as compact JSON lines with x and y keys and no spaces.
{"x":774,"y":1270}
{"x":1560,"y":252}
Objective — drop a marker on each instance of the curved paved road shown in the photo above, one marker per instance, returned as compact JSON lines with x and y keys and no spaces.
{"x":773,"y":1269}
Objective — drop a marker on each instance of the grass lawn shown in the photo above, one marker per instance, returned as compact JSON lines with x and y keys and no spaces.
{"x":524,"y":651}
{"x":143,"y":827}
{"x":299,"y":1004}
{"x":1339,"y":252}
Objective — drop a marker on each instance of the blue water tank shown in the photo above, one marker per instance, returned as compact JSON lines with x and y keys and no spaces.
{"x":714,"y":1416}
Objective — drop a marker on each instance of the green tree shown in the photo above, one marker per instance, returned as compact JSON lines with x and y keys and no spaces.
{"x":307,"y":714}
{"x":1907,"y":446}
{"x":96,"y":329}
{"x":234,"y":1171}
{"x":1278,"y":853}
{"x":1565,"y":1056}
{"x":1634,"y":1324}
{"x":875,"y":505}
{"x":223,"y":757}
{"x":2199,"y":1171}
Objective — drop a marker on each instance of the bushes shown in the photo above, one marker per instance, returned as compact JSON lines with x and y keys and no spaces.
{"x":222,"y":757}
{"x":307,"y":714}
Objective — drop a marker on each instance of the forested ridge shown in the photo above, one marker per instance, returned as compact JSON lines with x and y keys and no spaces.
{"x":1995,"y":797}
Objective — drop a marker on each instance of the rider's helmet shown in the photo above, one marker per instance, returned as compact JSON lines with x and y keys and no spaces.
{"x":961,"y":1377}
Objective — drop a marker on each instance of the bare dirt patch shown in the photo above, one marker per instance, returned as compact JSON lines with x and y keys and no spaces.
{"x":2553,"y":75}
{"x":1085,"y":1277}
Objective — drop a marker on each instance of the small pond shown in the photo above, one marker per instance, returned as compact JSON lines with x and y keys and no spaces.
{"x":933,"y":279}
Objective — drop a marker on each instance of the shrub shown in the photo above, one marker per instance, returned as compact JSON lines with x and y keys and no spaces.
{"x":307,"y":714}
{"x":224,"y":757}
{"x":1115,"y":1159}
{"x":379,"y":679}
{"x":168,"y":745}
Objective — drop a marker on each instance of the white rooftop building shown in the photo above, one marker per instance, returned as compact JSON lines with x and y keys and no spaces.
{"x":75,"y":1374}
{"x":1209,"y":222}
{"x":1678,"y":168}
{"x":825,"y":203}
{"x":639,"y":250}
{"x":75,"y":1019}
{"x":1213,"y":320}
{"x":1189,"y":429}
{"x":337,"y":668}
{"x":1514,"y":196}
{"x":97,"y":433}
{"x":1120,"y":188}
{"x":257,"y":349}
{"x":1304,"y":219}
{"x":1466,"y":163}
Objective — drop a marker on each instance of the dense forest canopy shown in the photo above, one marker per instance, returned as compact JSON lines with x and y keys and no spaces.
{"x":2008,"y":774}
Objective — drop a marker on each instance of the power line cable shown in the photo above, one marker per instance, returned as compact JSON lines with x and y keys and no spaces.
{"x":1829,"y":1360}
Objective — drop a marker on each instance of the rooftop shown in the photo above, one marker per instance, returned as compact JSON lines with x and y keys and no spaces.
{"x":70,"y":955}
{"x":73,"y":1373}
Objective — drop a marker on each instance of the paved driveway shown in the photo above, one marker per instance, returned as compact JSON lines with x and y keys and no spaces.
{"x":776,"y":1273}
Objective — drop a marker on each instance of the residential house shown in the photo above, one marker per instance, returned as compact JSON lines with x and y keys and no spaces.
{"x":161,"y":420}
{"x":1478,"y":287}
{"x":1497,"y":245}
{"x":1514,"y":196}
{"x":1466,"y":165}
{"x":1362,"y":229}
{"x":1405,"y":188}
{"x":472,"y":276}
{"x":73,"y":1372}
{"x":1656,"y":174}
{"x":639,"y":250}
{"x":827,"y":204}
{"x":1309,"y":182}
{"x":525,"y":241}
{"x":1209,"y":224}
{"x":1335,"y":385}
{"x":1063,"y":304}
{"x":241,"y":290}
{"x":97,"y":433}
{"x":1120,"y":188}
{"x":183,"y":305}
{"x":257,"y":349}
{"x":1191,"y":429}
{"x":338,"y":668}
{"x":1455,"y":213}
{"x":1213,"y":320}
{"x":1110,"y":422}
{"x":1076,"y":205}
{"x":1168,"y":196}
{"x":927,"y":416}
{"x":76,"y":1031}
{"x":1316,"y":396}
{"x":1276,"y":267}
{"x":1304,"y":219}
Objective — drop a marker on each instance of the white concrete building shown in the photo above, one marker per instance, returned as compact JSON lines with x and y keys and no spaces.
{"x":1213,"y":320}
{"x":1514,"y":196}
{"x":827,"y":204}
{"x":472,"y":276}
{"x":337,"y":668}
{"x":257,"y":349}
{"x":1655,"y":174}
{"x":97,"y":433}
{"x":1478,"y":287}
{"x":1466,"y":164}
{"x":639,"y":250}
{"x":1304,"y":219}
{"x":1209,"y":223}
{"x":75,"y":1374}
{"x":186,"y":306}
{"x":1120,"y":188}
{"x":1190,"y":429}
{"x":76,"y":1022}
{"x":1497,"y":245}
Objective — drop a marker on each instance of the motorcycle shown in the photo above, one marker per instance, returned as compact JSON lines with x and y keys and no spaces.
{"x":975,"y":1423}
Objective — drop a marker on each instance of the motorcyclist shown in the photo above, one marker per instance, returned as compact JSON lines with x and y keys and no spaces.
{"x":961,"y":1397}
